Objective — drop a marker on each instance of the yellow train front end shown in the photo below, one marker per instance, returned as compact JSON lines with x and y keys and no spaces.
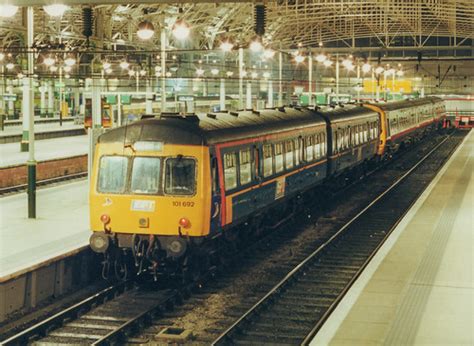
{"x":149,"y":203}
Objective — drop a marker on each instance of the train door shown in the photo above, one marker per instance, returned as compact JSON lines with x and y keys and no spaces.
{"x":216,"y":196}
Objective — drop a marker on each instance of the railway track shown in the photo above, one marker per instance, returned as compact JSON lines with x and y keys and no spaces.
{"x":112,"y":318}
{"x":41,"y":183}
{"x":294,"y":310}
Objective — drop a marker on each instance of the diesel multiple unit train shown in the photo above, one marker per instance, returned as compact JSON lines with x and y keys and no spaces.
{"x":167,"y":192}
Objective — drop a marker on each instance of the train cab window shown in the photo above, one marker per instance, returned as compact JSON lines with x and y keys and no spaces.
{"x":278,"y":157}
{"x":180,"y":176}
{"x":112,"y":174}
{"x":267,"y":160}
{"x":146,"y":174}
{"x":230,"y":171}
{"x":309,"y":152}
{"x":289,"y":153}
{"x":245,"y":166}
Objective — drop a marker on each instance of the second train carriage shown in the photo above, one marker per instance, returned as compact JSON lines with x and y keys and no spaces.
{"x":162,"y":186}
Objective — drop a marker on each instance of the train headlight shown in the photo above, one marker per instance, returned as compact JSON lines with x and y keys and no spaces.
{"x":99,"y":242}
{"x":184,"y":222}
{"x":105,"y":219}
{"x":176,"y":247}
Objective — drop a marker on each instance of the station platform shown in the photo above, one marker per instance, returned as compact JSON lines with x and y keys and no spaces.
{"x":419,"y":287}
{"x":47,"y":149}
{"x":13,"y":134}
{"x":61,"y":226}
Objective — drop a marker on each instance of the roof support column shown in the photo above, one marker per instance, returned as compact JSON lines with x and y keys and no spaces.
{"x":29,"y":113}
{"x":149,"y":98}
{"x":310,"y":80}
{"x":358,"y":82}
{"x":249,"y":95}
{"x":42,"y":90}
{"x":337,"y":78}
{"x":222,"y":95}
{"x":96,"y":104}
{"x":270,"y":94}
{"x":280,"y":79}
{"x":241,"y":78}
{"x":163,"y":70}
{"x":50,"y":98}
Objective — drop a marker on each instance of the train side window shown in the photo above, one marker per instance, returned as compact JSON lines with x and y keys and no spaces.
{"x":309,"y":148}
{"x":317,"y":146}
{"x":230,"y":171}
{"x":278,"y":157}
{"x":267,"y":160}
{"x":323,"y":144}
{"x":366,"y":133}
{"x":296,"y":143}
{"x":245,"y":166}
{"x":289,"y":153}
{"x":356,"y":135}
{"x":334,"y":142}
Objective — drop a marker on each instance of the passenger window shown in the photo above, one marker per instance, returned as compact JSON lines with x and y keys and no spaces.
{"x":180,"y":176}
{"x":245,"y":164}
{"x":146,"y":174}
{"x":296,"y":142}
{"x":230,"y":171}
{"x":289,"y":154}
{"x":267,"y":160}
{"x":278,"y":157}
{"x":309,"y":148}
{"x":323,"y":144}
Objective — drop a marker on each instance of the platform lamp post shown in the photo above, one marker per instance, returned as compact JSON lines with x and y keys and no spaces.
{"x":337,"y":78}
{"x":163,"y":69}
{"x":280,"y":79}
{"x":31,"y":163}
{"x":241,"y":78}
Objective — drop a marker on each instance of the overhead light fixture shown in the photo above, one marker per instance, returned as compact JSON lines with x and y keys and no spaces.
{"x":20,"y":75}
{"x":7,"y":11}
{"x":106,"y":65}
{"x":53,"y":68}
{"x":145,"y":30}
{"x":226,"y":46}
{"x":108,"y":70}
{"x":268,"y":53}
{"x":214,"y":71}
{"x":181,"y":30}
{"x":256,"y":46}
{"x":366,"y":67}
{"x":67,"y":76}
{"x":49,"y":60}
{"x":391,"y":71}
{"x":55,"y":10}
{"x":10,"y":66}
{"x":229,"y":73}
{"x":400,"y":73}
{"x":2,"y":56}
{"x":200,"y":72}
{"x":327,"y":62}
{"x":321,"y":57}
{"x":346,"y":63}
{"x":168,"y":74}
{"x":142,"y":72}
{"x":266,"y":74}
{"x":70,"y":61}
{"x":67,"y":68}
{"x":124,"y":64}
{"x":254,"y":74}
{"x":244,"y":73}
{"x":131,"y":73}
{"x":379,"y":70}
{"x":299,"y":58}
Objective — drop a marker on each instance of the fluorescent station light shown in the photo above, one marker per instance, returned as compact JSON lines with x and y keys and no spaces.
{"x":106,"y":65}
{"x":145,"y":30}
{"x":229,"y":73}
{"x":379,"y":70}
{"x":53,"y":68}
{"x":67,"y":68}
{"x":55,"y":10}
{"x":199,"y":71}
{"x":2,"y":56}
{"x":49,"y":61}
{"x":226,"y":46}
{"x":321,"y":57}
{"x":327,"y":62}
{"x":366,"y":67}
{"x":299,"y":59}
{"x":124,"y":64}
{"x":10,"y":66}
{"x":268,"y":53}
{"x":256,"y":46}
{"x":181,"y":30}
{"x":215,"y":71}
{"x":7,"y":11}
{"x":69,"y":61}
{"x":131,"y":73}
{"x":400,"y":73}
{"x":254,"y":74}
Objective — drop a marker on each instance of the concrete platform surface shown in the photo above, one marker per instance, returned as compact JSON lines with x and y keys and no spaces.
{"x":46,"y":149}
{"x":18,"y":130}
{"x":419,"y":288}
{"x":62,"y":225}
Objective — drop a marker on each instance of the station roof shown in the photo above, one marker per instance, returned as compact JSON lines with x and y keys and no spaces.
{"x":332,"y":24}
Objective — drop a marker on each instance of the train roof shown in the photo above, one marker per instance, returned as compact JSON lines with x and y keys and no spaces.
{"x":408,"y":103}
{"x":206,"y":129}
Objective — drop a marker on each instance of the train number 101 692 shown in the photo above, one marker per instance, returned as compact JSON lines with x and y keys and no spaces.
{"x":183,"y":204}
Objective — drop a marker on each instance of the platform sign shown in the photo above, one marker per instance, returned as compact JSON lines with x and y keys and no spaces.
{"x":400,"y":86}
{"x":111,"y":99}
{"x":10,"y":97}
{"x":126,"y":99}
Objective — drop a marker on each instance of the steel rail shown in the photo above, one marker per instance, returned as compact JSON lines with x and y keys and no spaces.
{"x":42,"y":327}
{"x":226,"y":336}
